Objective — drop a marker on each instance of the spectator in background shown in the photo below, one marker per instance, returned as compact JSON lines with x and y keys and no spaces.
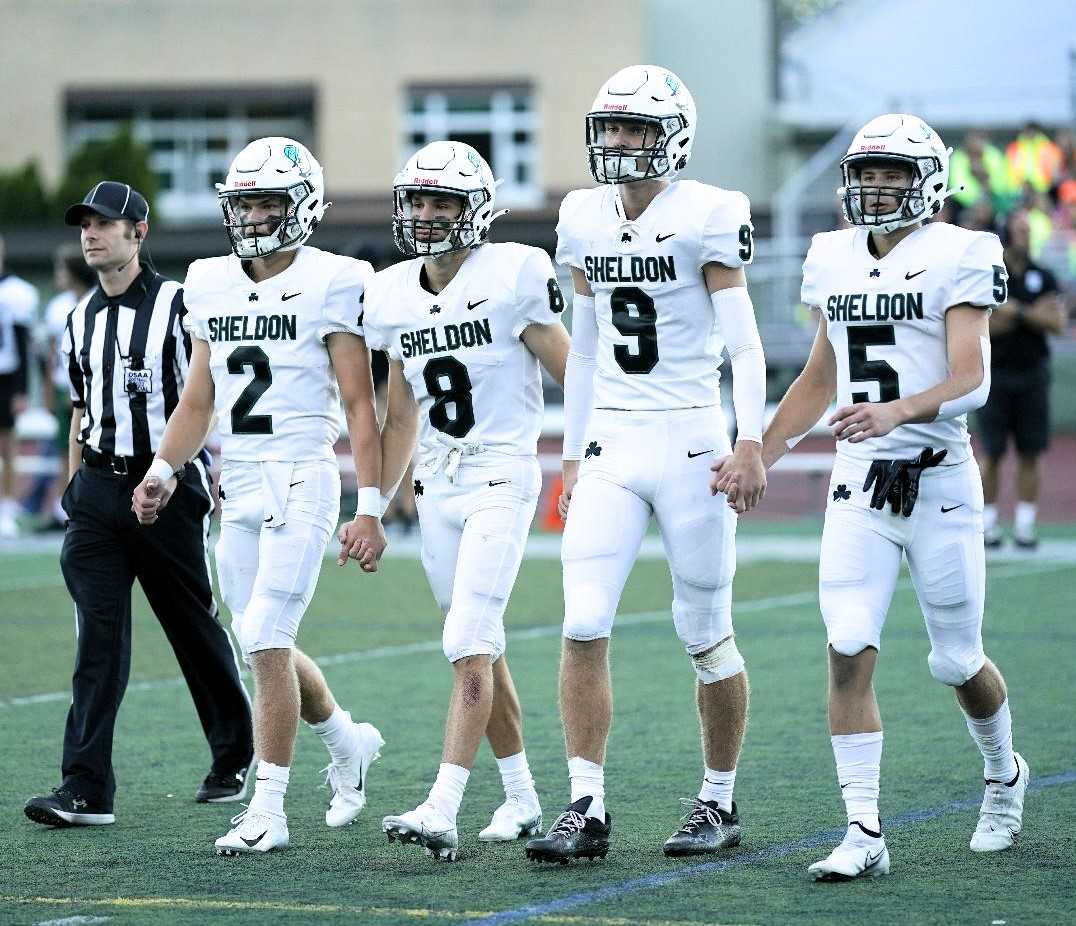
{"x":979,"y":173}
{"x":1058,"y":254}
{"x":18,"y":312}
{"x":1019,"y":390}
{"x":1034,"y":160}
{"x":72,"y":279}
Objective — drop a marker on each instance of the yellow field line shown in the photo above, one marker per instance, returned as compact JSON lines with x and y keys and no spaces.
{"x":417,"y":913}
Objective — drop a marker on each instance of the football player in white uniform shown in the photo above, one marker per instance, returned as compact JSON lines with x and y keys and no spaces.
{"x":277,"y":342}
{"x":466,"y":324}
{"x":657,"y":265}
{"x":904,"y":345}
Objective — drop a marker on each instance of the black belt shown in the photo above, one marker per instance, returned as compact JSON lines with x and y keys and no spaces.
{"x":118,"y":466}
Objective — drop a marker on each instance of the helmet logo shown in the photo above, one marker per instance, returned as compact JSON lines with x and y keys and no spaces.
{"x":475,"y":162}
{"x":291,"y":152}
{"x":673,"y":84}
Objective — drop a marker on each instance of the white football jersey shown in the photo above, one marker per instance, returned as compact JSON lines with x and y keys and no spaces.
{"x":659,"y":346}
{"x":472,"y":376}
{"x":886,"y":321}
{"x":276,"y":395}
{"x":18,"y":306}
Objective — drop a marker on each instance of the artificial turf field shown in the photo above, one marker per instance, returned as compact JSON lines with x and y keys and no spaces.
{"x":379,"y":641}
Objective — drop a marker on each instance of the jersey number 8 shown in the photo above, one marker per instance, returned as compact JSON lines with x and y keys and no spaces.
{"x":449,"y":383}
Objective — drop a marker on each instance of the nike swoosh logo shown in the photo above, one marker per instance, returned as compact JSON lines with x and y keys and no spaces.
{"x":286,"y":297}
{"x":475,"y":305}
{"x":292,"y":485}
{"x":872,"y":860}
{"x":952,"y":508}
{"x":253,"y":842}
{"x":661,"y":238}
{"x":499,"y":482}
{"x":268,"y":519}
{"x":912,"y":276}
{"x":698,"y":453}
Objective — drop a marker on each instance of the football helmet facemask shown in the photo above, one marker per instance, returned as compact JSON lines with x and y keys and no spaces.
{"x":455,"y":169}
{"x":273,"y":167}
{"x":658,"y":99}
{"x":903,"y":139}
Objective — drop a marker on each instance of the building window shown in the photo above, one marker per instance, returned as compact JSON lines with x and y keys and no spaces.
{"x":499,"y":122}
{"x":192,"y":134}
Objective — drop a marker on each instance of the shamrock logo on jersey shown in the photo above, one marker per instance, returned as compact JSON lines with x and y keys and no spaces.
{"x":418,"y":488}
{"x":841,"y":493}
{"x":592,"y":451}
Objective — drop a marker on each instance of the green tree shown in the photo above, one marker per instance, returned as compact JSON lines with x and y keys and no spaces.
{"x":121,"y":157}
{"x":23,"y":200}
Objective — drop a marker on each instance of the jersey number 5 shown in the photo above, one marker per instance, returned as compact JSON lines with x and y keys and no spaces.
{"x":242,"y":421}
{"x":449,"y":383}
{"x":634,"y":316}
{"x":862,"y":370}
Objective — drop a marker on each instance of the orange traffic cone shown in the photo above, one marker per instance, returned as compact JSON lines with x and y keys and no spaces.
{"x":550,"y":517}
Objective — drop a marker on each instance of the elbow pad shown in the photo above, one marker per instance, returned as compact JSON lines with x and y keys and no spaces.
{"x":970,"y":401}
{"x":736,"y":321}
{"x":579,"y":376}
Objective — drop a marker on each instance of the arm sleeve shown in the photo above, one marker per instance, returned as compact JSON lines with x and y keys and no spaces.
{"x":810,"y":293}
{"x":72,"y":364}
{"x":736,"y":320}
{"x":567,"y":252}
{"x":538,"y":295}
{"x":344,"y":307}
{"x":981,"y":278}
{"x":727,"y":234}
{"x":579,"y":376}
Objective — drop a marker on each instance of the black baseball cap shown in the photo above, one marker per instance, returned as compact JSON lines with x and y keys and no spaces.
{"x":113,"y":200}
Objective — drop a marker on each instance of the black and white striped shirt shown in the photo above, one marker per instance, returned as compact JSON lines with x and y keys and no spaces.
{"x":127,"y":358}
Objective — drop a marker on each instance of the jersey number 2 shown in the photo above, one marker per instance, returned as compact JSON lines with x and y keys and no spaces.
{"x":449,"y":383}
{"x":242,"y":421}
{"x":862,"y":370}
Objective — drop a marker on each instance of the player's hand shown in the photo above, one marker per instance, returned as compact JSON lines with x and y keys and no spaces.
{"x":741,"y":476}
{"x":150,"y":497}
{"x":855,"y":423}
{"x":363,"y":540}
{"x":569,"y":477}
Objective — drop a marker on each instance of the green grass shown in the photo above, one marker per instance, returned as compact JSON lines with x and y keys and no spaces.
{"x":156,"y":864}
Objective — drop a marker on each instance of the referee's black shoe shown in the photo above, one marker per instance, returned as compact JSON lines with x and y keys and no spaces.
{"x":62,"y":808}
{"x":220,"y":789}
{"x":705,"y":828}
{"x":573,"y":835}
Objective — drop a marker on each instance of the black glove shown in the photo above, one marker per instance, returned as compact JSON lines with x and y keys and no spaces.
{"x":897,"y":481}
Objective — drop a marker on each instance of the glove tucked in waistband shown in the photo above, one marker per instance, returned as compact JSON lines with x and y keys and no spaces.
{"x":897,"y":481}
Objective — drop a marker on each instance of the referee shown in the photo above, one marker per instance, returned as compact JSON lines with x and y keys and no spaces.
{"x":127,"y":356}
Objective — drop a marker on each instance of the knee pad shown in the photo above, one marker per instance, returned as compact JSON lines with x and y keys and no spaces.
{"x":718,"y":663}
{"x":468,"y":633}
{"x":954,"y":667}
{"x":589,"y":611}
{"x":702,"y":612}
{"x":850,"y":647}
{"x":270,"y":621}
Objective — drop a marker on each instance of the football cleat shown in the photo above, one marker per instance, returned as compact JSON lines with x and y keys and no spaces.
{"x":254,"y":831}
{"x":1002,"y":812}
{"x":62,"y":808}
{"x":573,"y":835}
{"x":348,"y":780}
{"x":428,"y":827}
{"x":514,"y":818}
{"x":1028,"y":540}
{"x":993,"y":538}
{"x":705,"y":828}
{"x":221,"y":789}
{"x":860,"y":855}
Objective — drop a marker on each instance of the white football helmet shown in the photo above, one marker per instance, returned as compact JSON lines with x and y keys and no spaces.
{"x":275,"y":166}
{"x":642,"y":93}
{"x":907,"y":140}
{"x":450,"y":167}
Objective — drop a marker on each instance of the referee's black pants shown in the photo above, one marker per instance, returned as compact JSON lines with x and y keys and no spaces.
{"x":105,"y":549}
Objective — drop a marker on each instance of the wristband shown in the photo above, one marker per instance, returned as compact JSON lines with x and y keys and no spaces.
{"x":369,"y":502}
{"x":161,"y":469}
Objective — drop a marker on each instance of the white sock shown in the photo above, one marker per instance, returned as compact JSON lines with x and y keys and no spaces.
{"x":859,"y":764}
{"x":717,"y":786}
{"x":990,"y":517}
{"x":516,"y":776}
{"x":1024,"y":519}
{"x":447,"y":791}
{"x":993,"y":736}
{"x":270,"y":784}
{"x":335,"y":733}
{"x":8,"y":507}
{"x":588,"y":780}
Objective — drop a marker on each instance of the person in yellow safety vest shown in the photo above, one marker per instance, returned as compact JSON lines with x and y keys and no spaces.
{"x":1033,"y":159}
{"x":979,"y":168}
